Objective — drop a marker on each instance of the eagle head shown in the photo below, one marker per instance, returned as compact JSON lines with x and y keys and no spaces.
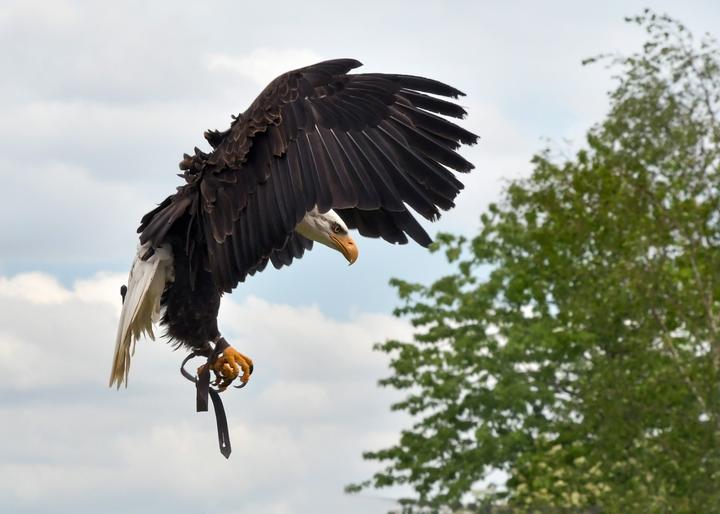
{"x":329,"y":229}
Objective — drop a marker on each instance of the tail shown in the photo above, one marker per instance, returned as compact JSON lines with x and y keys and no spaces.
{"x":141,"y":305}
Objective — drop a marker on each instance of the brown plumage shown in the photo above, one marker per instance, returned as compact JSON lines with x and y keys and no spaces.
{"x":318,"y":136}
{"x":371,"y":147}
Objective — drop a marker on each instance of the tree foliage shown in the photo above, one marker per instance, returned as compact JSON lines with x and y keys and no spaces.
{"x":576,"y":347}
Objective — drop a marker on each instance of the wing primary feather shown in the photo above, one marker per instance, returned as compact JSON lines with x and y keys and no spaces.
{"x":298,"y":107}
{"x":371,"y":107}
{"x":311,"y":171}
{"x":263,"y":212}
{"x":217,"y":267}
{"x":323,"y":114}
{"x":438,"y":183}
{"x":430,"y":103}
{"x":425,"y":145}
{"x":367,"y":195}
{"x":437,"y":125}
{"x":227,"y":258}
{"x":253,"y":237}
{"x":325,"y":172}
{"x":389,"y":231}
{"x":335,"y":66}
{"x":391,"y":197}
{"x":304,"y":191}
{"x":346,"y":195}
{"x":408,"y":224}
{"x":351,"y":114}
{"x":353,"y":219}
{"x":425,"y":85}
{"x":280,"y":225}
{"x":281,"y":188}
{"x":244,"y":235}
{"x":412,"y":194}
{"x":236,"y":241}
{"x":372,"y":86}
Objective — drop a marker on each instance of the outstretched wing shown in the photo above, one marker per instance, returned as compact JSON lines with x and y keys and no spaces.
{"x":370,"y":146}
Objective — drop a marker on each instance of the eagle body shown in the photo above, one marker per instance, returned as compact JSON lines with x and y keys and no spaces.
{"x":190,"y":307}
{"x":320,"y":152}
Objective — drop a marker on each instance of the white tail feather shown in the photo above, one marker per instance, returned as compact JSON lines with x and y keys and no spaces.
{"x":141,"y":307}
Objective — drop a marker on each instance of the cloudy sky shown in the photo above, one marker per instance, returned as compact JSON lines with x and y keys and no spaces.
{"x":98,"y":102}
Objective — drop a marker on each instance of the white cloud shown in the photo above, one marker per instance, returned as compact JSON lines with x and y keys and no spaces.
{"x":341,"y":347}
{"x":53,"y":15}
{"x":111,"y":140}
{"x":71,"y":444}
{"x":262,"y":64}
{"x":102,"y":287}
{"x":61,"y":213}
{"x":41,"y":288}
{"x":35,"y":287}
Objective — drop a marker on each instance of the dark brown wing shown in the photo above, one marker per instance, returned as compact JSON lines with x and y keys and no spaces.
{"x":366,"y":145}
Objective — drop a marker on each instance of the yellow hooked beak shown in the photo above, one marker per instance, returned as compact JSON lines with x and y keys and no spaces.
{"x":345,"y":246}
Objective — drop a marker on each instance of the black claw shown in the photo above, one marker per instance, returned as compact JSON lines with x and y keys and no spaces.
{"x":252,"y":367}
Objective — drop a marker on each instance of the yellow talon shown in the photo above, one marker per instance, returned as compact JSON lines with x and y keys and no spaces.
{"x":227,"y":367}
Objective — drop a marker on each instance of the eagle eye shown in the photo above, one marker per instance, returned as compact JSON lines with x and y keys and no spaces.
{"x":337,"y":228}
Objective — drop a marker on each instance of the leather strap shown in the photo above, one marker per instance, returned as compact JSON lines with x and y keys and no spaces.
{"x":222,"y":425}
{"x":203,"y":389}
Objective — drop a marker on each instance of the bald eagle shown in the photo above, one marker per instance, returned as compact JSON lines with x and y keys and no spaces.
{"x":318,"y":153}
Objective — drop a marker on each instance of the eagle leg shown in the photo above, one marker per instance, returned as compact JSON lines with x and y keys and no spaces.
{"x":227,"y":367}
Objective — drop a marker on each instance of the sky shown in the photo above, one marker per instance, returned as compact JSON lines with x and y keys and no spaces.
{"x":98,"y":102}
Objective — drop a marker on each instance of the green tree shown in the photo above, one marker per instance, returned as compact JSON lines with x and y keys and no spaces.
{"x":576,"y":347}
